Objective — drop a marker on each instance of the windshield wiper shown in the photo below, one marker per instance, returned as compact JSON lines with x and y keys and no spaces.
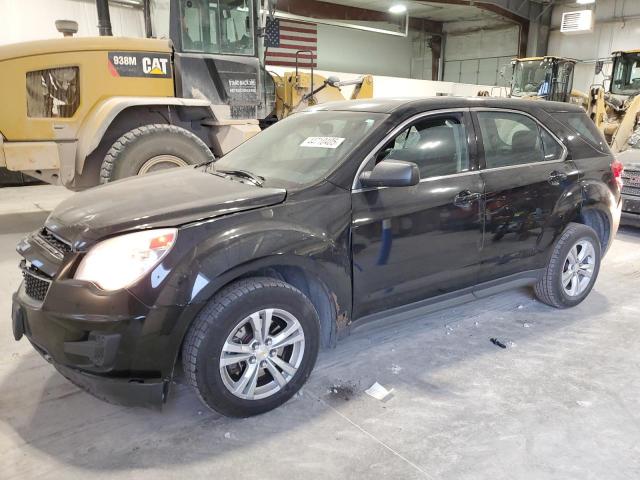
{"x":257,"y":180}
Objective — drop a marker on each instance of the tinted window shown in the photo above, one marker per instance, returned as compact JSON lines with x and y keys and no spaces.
{"x":510,"y":139}
{"x":552,"y":149}
{"x":584,"y":127}
{"x":438,"y":145}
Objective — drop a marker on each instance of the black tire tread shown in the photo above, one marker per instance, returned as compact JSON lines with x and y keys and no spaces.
{"x":544,"y":288}
{"x":205,"y":319}
{"x":120,"y":145}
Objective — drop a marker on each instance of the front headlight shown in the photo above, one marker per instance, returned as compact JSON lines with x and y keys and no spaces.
{"x":121,"y":261}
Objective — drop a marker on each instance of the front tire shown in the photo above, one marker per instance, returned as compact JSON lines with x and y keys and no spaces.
{"x":151,"y":148}
{"x":573,"y":268}
{"x":252,"y":347}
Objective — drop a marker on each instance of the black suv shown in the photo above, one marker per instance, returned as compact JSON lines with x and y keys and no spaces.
{"x":242,"y":269}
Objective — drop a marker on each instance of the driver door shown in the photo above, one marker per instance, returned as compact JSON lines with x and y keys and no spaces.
{"x":414,"y":243}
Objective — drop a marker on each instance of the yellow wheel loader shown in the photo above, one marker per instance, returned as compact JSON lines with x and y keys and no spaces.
{"x":543,"y":78}
{"x":616,"y":112}
{"x":84,"y":111}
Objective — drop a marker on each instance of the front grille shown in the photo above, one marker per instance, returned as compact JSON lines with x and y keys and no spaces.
{"x":634,"y":191}
{"x":242,"y":112}
{"x":52,"y":243}
{"x":36,"y":285}
{"x":631,"y":176}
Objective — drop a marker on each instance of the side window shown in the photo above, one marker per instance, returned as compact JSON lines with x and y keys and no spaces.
{"x":438,"y":145}
{"x":551,"y":147}
{"x":585,"y":128}
{"x":510,"y":139}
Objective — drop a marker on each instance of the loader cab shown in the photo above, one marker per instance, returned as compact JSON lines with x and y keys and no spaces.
{"x":215,"y":45}
{"x":545,"y":78}
{"x":625,"y":80}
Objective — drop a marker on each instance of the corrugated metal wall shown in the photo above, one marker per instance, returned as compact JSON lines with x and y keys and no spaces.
{"x":481,"y":56}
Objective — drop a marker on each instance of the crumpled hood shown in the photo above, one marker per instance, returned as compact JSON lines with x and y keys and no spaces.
{"x":169,"y":198}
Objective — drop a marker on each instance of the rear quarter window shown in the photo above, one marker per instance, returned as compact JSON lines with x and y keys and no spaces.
{"x":585,"y":128}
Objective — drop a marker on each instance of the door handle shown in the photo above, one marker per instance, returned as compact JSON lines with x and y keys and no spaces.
{"x":466,"y":198}
{"x":556,"y":177}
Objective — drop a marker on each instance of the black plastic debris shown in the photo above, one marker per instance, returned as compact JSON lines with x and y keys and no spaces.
{"x":498,"y":343}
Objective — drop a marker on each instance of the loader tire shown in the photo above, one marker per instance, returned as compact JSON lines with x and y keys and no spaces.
{"x":151,"y":148}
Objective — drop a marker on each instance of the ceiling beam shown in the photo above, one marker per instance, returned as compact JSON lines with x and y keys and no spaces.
{"x":520,"y":12}
{"x":333,"y":11}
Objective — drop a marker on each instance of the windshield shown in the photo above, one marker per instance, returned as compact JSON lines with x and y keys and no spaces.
{"x":303,"y":148}
{"x":531,"y":78}
{"x":626,"y":74}
{"x":222,"y":26}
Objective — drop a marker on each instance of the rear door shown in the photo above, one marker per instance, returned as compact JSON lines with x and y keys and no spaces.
{"x":525,"y":172}
{"x":413,"y":243}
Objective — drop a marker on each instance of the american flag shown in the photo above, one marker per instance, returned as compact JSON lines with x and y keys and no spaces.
{"x":283,"y":38}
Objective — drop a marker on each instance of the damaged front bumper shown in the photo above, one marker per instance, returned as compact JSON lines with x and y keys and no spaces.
{"x":90,"y":357}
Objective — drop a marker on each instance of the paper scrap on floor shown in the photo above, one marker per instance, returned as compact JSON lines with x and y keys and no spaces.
{"x":378,"y":392}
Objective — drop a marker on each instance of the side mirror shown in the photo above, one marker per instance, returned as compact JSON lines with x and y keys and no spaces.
{"x":391,"y":173}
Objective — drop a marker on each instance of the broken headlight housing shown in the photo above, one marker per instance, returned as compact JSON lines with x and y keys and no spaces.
{"x":53,"y":93}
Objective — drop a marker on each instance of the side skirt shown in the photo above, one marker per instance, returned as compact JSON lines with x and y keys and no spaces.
{"x":447,"y":300}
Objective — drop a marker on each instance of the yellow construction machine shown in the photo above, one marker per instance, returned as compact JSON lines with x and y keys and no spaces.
{"x":543,"y":78}
{"x":616,"y":112}
{"x":84,"y":111}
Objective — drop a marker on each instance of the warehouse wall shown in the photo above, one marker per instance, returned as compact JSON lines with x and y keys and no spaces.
{"x":617,"y":28}
{"x":23,"y":20}
{"x":477,"y":53}
{"x":347,"y":50}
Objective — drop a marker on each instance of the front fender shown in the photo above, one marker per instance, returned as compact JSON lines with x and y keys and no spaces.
{"x":103,"y":114}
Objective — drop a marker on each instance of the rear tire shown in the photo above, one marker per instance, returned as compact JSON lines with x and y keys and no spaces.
{"x":150,"y":148}
{"x":573,"y":268}
{"x":223,"y":347}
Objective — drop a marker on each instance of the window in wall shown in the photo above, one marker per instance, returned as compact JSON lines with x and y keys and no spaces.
{"x":438,"y":145}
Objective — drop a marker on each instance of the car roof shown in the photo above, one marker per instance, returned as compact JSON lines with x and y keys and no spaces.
{"x":400,"y":105}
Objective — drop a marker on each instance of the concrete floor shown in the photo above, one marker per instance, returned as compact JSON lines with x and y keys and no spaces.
{"x":561,"y":402}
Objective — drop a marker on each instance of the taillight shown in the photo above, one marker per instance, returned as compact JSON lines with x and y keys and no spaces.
{"x":617,"y":168}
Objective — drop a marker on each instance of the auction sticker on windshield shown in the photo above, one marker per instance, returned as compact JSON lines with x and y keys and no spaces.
{"x":322,"y":142}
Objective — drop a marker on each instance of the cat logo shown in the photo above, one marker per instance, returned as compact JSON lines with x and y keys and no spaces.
{"x":140,"y":64}
{"x":154,"y":66}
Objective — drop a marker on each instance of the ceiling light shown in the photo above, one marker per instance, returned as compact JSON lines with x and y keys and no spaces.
{"x":585,"y":2}
{"x":397,"y":8}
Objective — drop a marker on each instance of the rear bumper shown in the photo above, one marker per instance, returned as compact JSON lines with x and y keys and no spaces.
{"x":50,"y":161}
{"x":20,"y":156}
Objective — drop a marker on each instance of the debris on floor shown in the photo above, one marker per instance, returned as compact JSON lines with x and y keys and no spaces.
{"x":498,"y":343}
{"x":396,"y":369}
{"x":342,"y":391}
{"x":378,"y":392}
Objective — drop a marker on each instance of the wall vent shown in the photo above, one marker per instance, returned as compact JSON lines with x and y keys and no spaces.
{"x":577,"y":22}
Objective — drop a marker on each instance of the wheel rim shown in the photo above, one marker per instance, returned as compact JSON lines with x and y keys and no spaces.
{"x":578,"y":268}
{"x":262,"y":354}
{"x":161,"y":162}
